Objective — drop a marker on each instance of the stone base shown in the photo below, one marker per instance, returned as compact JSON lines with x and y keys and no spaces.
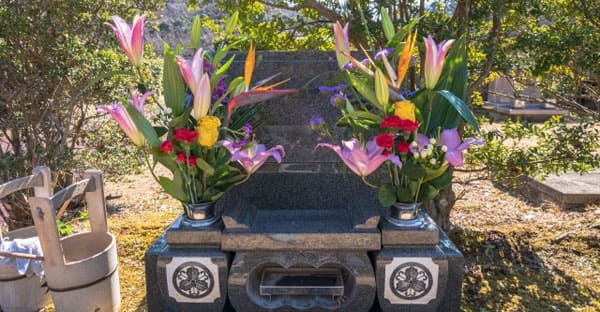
{"x":420,"y":278}
{"x":185,"y":279}
{"x":249,"y":275}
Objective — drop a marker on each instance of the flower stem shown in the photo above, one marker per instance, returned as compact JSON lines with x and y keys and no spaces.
{"x":364,"y":179}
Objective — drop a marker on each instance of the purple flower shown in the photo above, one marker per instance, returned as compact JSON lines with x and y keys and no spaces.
{"x":219,"y":91}
{"x":349,"y":65}
{"x":337,"y":98}
{"x":451,"y":140}
{"x":362,"y":161}
{"x":384,"y":53}
{"x":209,"y":68}
{"x":253,"y":156}
{"x":334,"y":89}
{"x":316,"y":121}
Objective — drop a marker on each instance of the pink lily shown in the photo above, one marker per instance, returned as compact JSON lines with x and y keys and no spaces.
{"x":434,"y":60}
{"x":362,"y":161}
{"x":451,"y":140}
{"x":342,"y":43}
{"x":131,"y":37}
{"x":120,"y":114}
{"x":252,"y":156}
{"x":192,"y":73}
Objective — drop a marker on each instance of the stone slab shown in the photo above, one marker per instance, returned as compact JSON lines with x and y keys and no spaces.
{"x":329,"y":229}
{"x":392,"y":235}
{"x":180,"y":234}
{"x":355,"y":267}
{"x":568,"y":190}
{"x":434,"y":285}
{"x":532,"y":111}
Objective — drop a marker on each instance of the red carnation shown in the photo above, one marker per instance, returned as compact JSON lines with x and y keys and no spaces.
{"x":185,"y":135}
{"x":386,"y":152}
{"x":181,"y":157}
{"x":408,"y":125}
{"x":403,"y":147}
{"x":391,"y":122}
{"x":191,"y":161}
{"x":385,"y":140}
{"x":166,"y":146}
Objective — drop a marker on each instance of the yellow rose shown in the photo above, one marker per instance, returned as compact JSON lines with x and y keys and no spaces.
{"x":405,"y":110}
{"x":208,"y":130}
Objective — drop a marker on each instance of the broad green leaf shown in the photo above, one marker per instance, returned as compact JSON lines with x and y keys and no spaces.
{"x":173,"y":83}
{"x":142,"y":124}
{"x":181,"y":120}
{"x":173,"y":188}
{"x":428,"y":192}
{"x":160,"y":131}
{"x":413,"y":170}
{"x":386,"y":195}
{"x":220,"y":72}
{"x":365,"y":115}
{"x":365,"y":91}
{"x":404,"y":195}
{"x":381,"y":88}
{"x":196,"y":33}
{"x":206,"y":167}
{"x":388,"y":26}
{"x":460,"y":106}
{"x":442,"y":181}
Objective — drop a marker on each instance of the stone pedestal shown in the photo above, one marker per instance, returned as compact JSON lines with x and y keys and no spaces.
{"x":418,"y":269}
{"x":186,"y":270}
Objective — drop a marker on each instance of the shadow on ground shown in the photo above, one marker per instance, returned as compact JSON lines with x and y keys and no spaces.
{"x":503,"y":272}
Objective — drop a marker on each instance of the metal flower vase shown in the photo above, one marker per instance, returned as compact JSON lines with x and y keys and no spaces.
{"x":406,"y":215}
{"x":200,"y":214}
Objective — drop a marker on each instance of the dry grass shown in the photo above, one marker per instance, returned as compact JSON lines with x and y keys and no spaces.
{"x":520,"y":256}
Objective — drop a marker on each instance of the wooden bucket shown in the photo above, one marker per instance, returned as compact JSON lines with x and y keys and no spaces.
{"x":19,"y":292}
{"x":81,"y":269}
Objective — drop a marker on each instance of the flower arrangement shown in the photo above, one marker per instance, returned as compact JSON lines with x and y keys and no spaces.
{"x":390,"y":121}
{"x":204,"y":132}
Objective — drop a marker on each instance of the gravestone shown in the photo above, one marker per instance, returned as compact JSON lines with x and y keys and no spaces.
{"x":568,"y":189}
{"x":501,"y":103}
{"x":306,"y":234}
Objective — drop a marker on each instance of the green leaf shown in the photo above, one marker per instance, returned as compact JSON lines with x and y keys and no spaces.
{"x":399,"y":36}
{"x":381,"y":88}
{"x":460,"y":106}
{"x":386,"y":195}
{"x":220,"y":72}
{"x":196,"y":33}
{"x":428,"y":192}
{"x":181,"y":120}
{"x":173,"y":188}
{"x":206,"y":167}
{"x":173,"y":83}
{"x":365,"y":115}
{"x":386,"y":23}
{"x":364,"y":90}
{"x":160,"y":131}
{"x":231,"y":24}
{"x":142,"y":124}
{"x":442,"y":181}
{"x":404,"y":195}
{"x":432,"y":174}
{"x":412,"y":170}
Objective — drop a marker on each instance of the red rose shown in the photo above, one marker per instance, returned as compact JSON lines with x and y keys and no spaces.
{"x":390,"y":122}
{"x":385,"y":140}
{"x":408,"y":125}
{"x":181,"y":157}
{"x":166,"y":146}
{"x":185,"y":135}
{"x":403,"y":147}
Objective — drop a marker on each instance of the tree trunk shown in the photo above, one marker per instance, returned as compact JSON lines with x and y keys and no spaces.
{"x":439,"y":209}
